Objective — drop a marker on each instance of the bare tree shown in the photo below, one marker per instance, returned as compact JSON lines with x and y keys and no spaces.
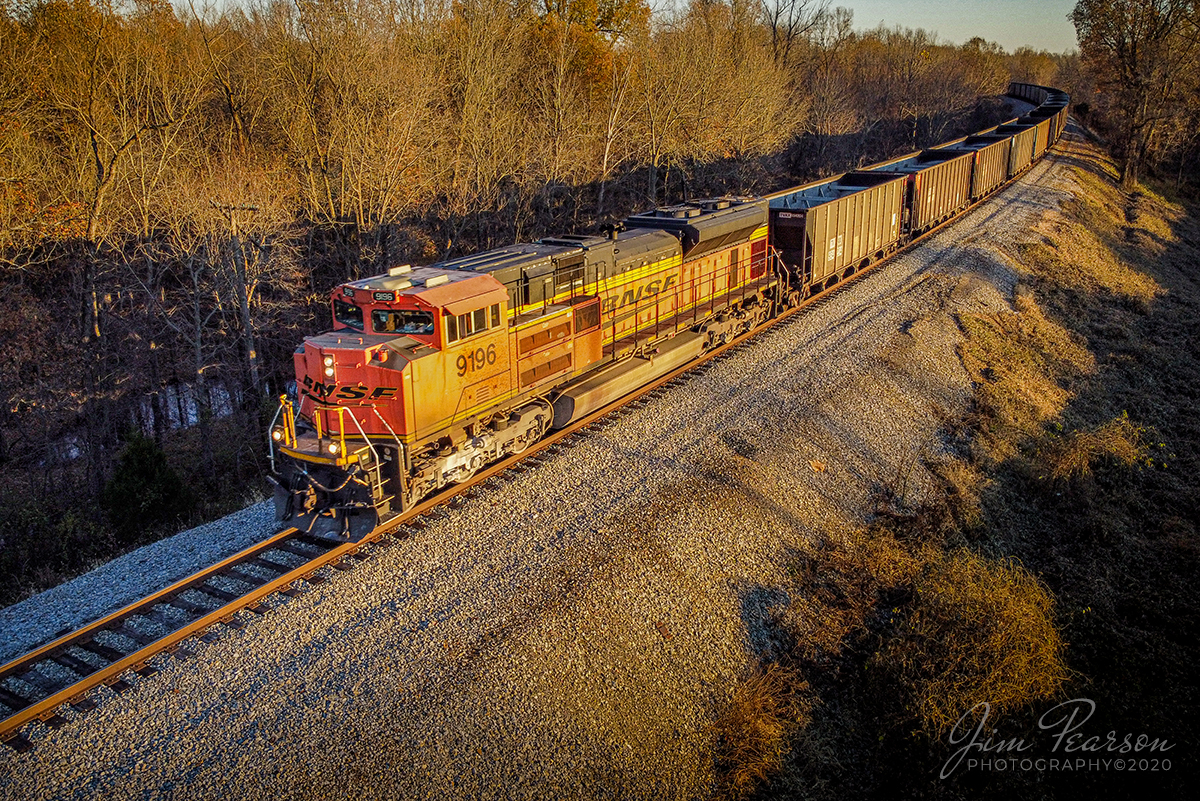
{"x":485,"y":149}
{"x":790,"y":22}
{"x":616,"y":116}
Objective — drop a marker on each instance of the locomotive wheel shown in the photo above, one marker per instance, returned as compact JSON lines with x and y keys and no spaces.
{"x":535,"y":433}
{"x":471,"y":469}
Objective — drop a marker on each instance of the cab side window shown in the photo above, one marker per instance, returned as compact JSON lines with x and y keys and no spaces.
{"x":348,"y":314}
{"x":472,"y":323}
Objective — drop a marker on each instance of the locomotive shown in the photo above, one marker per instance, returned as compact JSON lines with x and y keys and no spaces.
{"x":430,"y":373}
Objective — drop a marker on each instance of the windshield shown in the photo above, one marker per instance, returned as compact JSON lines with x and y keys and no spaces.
{"x":401,"y":321}
{"x":348,"y":314}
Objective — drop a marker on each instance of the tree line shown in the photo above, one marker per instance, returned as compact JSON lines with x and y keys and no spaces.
{"x":1141,"y":59}
{"x":182,"y":186}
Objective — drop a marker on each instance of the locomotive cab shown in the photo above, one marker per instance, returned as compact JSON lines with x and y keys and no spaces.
{"x":359,"y":446}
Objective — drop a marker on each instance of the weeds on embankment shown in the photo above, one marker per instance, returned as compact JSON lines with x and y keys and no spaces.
{"x":1059,"y":560}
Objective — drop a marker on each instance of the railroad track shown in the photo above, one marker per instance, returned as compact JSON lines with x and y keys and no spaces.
{"x":57,"y":678}
{"x":47,"y":683}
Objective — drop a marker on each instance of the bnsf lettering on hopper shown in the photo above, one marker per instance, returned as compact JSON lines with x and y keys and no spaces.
{"x":430,"y":373}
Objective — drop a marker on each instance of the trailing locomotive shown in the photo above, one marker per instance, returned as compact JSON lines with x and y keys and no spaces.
{"x":430,"y":373}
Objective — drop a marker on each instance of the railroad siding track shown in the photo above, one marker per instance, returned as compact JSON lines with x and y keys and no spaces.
{"x":59,"y":679}
{"x":52,"y":682}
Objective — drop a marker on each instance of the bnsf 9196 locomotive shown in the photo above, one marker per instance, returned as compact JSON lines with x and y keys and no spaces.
{"x":430,"y":373}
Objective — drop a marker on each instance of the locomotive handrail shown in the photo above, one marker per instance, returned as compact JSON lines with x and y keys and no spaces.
{"x":341,"y":434}
{"x":271,"y":429}
{"x":357,"y":425}
{"x":289,"y":429}
{"x":388,"y":426}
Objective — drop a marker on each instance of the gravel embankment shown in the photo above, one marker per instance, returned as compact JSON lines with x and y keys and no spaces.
{"x":511,"y":649}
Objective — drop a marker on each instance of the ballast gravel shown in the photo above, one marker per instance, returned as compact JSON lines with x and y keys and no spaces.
{"x":572,"y":633}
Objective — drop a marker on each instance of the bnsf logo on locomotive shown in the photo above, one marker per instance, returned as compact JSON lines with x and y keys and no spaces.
{"x":635,"y":294}
{"x":318,"y":391}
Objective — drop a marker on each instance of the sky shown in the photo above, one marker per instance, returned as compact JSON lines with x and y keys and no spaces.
{"x":1040,"y":24}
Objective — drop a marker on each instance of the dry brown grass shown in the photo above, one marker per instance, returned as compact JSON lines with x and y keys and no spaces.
{"x":1076,"y":259}
{"x":836,"y":587}
{"x":1091,"y":246}
{"x":1075,"y":455}
{"x":940,"y":627}
{"x":979,"y":629}
{"x":1017,"y":360}
{"x":962,"y":485}
{"x":753,"y":734}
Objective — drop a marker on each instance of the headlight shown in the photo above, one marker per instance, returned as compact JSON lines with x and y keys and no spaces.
{"x":329,"y":372}
{"x":277,"y":433}
{"x":333,"y":448}
{"x":329,"y":361}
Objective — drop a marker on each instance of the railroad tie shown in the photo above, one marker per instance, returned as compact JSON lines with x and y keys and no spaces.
{"x":267,"y":564}
{"x":145,"y":670}
{"x":101,"y":650}
{"x":81,"y":703}
{"x":18,"y":742}
{"x":40,"y":680}
{"x":125,"y":630}
{"x":168,"y":623}
{"x":236,"y":575}
{"x":216,"y":593}
{"x":13,"y":701}
{"x":295,"y":550}
{"x":187,"y":606}
{"x":54,"y":720}
{"x":179,"y":652}
{"x":74,"y":664}
{"x":233,"y":622}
